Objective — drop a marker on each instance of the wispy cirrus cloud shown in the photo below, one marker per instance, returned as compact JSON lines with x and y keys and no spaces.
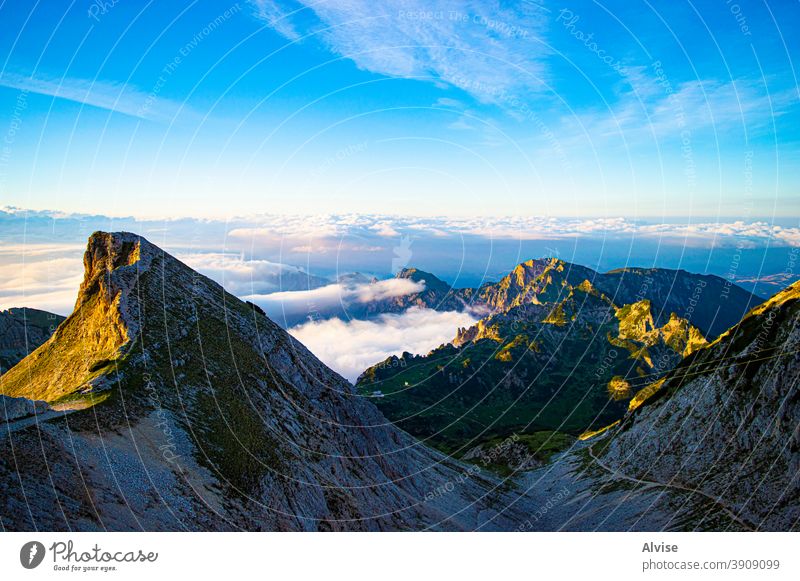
{"x":488,"y":49}
{"x":111,"y":96}
{"x":655,"y":108}
{"x":496,"y":52}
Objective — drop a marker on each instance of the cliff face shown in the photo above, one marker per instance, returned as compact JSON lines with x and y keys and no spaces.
{"x":173,"y":405}
{"x":708,"y":302}
{"x":547,"y":280}
{"x":726,"y":421}
{"x":92,"y":337}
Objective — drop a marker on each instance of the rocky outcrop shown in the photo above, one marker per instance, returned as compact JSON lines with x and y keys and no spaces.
{"x":726,"y":421}
{"x":13,"y":409}
{"x":708,"y":302}
{"x":547,"y":280}
{"x":514,"y":456}
{"x":93,"y":336}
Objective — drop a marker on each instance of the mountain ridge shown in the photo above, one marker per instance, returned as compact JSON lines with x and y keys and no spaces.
{"x":182,"y":407}
{"x":199,"y":413}
{"x":548,"y":279}
{"x":729,"y":413}
{"x":22,"y":330}
{"x":570,"y":365}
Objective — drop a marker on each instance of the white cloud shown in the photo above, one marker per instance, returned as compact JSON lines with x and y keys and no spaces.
{"x":387,"y":289}
{"x":240,"y":276}
{"x":111,"y":96}
{"x":653,"y":108}
{"x":277,"y":17}
{"x":35,"y":250}
{"x":494,"y":51}
{"x":336,"y":227}
{"x":49,"y":284}
{"x":486,"y":48}
{"x":40,"y":254}
{"x":349,"y":347}
{"x":286,"y":305}
{"x":748,"y":234}
{"x":385,"y":229}
{"x":546,"y":228}
{"x":449,"y":103}
{"x":340,"y":234}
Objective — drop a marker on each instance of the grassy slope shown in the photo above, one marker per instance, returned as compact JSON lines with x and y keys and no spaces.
{"x":77,"y":353}
{"x":530,"y":376}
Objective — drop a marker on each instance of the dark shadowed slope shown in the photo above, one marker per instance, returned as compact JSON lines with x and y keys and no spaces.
{"x":726,"y":422}
{"x":21,"y":331}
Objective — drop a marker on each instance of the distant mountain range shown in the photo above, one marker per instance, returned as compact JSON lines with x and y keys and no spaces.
{"x":358,"y":296}
{"x":22,"y":330}
{"x":165,"y":403}
{"x":563,"y":348}
{"x":708,"y":302}
{"x":768,"y":284}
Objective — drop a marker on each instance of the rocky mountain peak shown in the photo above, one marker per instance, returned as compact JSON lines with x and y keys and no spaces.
{"x":531,"y":269}
{"x":105,"y":321}
{"x":431,"y":281}
{"x":206,"y":414}
{"x":535,"y":281}
{"x":111,"y":262}
{"x":108,"y":251}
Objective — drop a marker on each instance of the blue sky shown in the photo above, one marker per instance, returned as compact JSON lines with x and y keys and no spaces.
{"x":457,"y":109}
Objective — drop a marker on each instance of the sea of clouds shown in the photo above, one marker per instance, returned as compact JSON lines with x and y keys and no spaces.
{"x":299,"y":269}
{"x":350,"y":347}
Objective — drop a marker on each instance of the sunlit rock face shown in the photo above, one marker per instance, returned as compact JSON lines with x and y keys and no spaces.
{"x":554,"y":354}
{"x":726,"y":421}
